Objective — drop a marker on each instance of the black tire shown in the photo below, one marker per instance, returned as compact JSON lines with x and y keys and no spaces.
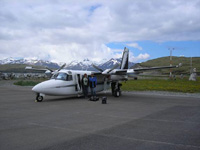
{"x":117,"y":93}
{"x":39,"y":98}
{"x":113,"y":88}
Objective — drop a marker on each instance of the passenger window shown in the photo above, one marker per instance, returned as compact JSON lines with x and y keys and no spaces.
{"x":69,"y":78}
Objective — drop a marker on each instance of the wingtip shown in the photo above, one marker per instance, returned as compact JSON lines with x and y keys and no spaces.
{"x":29,"y":67}
{"x":179,"y":65}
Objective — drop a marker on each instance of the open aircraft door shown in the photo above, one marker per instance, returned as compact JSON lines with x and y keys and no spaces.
{"x":78,"y":83}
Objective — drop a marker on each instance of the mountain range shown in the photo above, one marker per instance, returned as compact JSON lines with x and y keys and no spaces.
{"x":85,"y":64}
{"x":18,"y":65}
{"x":33,"y":62}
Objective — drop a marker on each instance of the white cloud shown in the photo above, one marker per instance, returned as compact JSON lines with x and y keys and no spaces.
{"x":141,"y":57}
{"x":65,"y":30}
{"x":134,"y":45}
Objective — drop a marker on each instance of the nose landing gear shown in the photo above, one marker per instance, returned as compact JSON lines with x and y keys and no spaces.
{"x":39,"y":97}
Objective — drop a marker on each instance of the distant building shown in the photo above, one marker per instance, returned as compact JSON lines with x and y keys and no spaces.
{"x":193,"y":75}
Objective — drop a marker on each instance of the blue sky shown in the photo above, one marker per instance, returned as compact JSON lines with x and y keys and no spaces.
{"x":67,"y":30}
{"x":161,"y":49}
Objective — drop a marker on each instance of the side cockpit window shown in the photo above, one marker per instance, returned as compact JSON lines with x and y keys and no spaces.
{"x":62,"y":76}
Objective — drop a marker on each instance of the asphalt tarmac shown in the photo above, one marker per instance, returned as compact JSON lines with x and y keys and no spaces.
{"x":131,"y":122}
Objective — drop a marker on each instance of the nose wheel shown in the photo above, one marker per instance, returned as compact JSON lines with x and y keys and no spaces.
{"x":39,"y":98}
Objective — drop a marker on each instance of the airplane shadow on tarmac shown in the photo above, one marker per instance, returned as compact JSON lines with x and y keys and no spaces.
{"x":72,"y":98}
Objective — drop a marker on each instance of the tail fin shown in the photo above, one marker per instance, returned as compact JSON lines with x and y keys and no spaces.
{"x":124,"y":63}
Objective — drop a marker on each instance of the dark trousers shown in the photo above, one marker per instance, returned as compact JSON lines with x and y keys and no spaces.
{"x":85,"y":90}
{"x":93,"y":92}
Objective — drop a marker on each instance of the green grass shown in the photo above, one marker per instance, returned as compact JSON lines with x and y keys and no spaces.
{"x":26,"y":83}
{"x":165,"y":61}
{"x":178,"y":85}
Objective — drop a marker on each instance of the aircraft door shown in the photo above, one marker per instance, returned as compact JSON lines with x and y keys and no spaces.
{"x":78,"y":83}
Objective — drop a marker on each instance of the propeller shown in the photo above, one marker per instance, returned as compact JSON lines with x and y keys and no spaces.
{"x":97,"y":68}
{"x":56,"y":70}
{"x":49,"y":69}
{"x":62,"y":66}
{"x":107,"y":74}
{"x":114,"y":67}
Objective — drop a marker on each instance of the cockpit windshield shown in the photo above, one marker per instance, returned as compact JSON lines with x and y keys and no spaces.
{"x":62,"y":76}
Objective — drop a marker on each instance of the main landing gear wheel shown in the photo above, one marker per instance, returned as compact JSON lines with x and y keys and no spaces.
{"x":117,"y":93}
{"x":39,"y":98}
{"x":116,"y":89}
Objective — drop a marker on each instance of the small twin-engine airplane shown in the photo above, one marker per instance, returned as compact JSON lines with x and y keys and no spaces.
{"x":69,"y":82}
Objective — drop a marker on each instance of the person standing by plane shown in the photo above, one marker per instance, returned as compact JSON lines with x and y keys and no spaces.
{"x":93,"y":83}
{"x":85,"y":85}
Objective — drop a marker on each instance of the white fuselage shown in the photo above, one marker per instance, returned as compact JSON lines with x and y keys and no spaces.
{"x":71,"y":85}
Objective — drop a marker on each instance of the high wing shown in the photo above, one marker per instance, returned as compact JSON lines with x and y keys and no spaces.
{"x":35,"y":69}
{"x":96,"y":73}
{"x":46,"y":70}
{"x":135,"y":71}
{"x":115,"y":72}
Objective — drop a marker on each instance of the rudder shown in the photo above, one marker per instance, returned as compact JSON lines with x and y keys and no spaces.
{"x":125,"y":56}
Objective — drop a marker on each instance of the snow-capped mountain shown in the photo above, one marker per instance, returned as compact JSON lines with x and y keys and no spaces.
{"x":85,"y":64}
{"x":34,"y":62}
{"x":7,"y":61}
{"x":112,"y":62}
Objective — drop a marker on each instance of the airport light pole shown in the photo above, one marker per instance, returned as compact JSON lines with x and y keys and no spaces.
{"x":171,"y":49}
{"x":190,"y":65}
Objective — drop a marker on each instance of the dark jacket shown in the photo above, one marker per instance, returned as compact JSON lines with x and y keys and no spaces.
{"x":92,"y":82}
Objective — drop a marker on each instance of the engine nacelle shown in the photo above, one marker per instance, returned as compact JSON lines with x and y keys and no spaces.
{"x":48,"y":73}
{"x":118,"y":77}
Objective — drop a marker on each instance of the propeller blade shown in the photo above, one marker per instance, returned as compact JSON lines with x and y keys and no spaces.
{"x":49,"y":69}
{"x":62,"y":66}
{"x":97,"y":68}
{"x":114,"y":67}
